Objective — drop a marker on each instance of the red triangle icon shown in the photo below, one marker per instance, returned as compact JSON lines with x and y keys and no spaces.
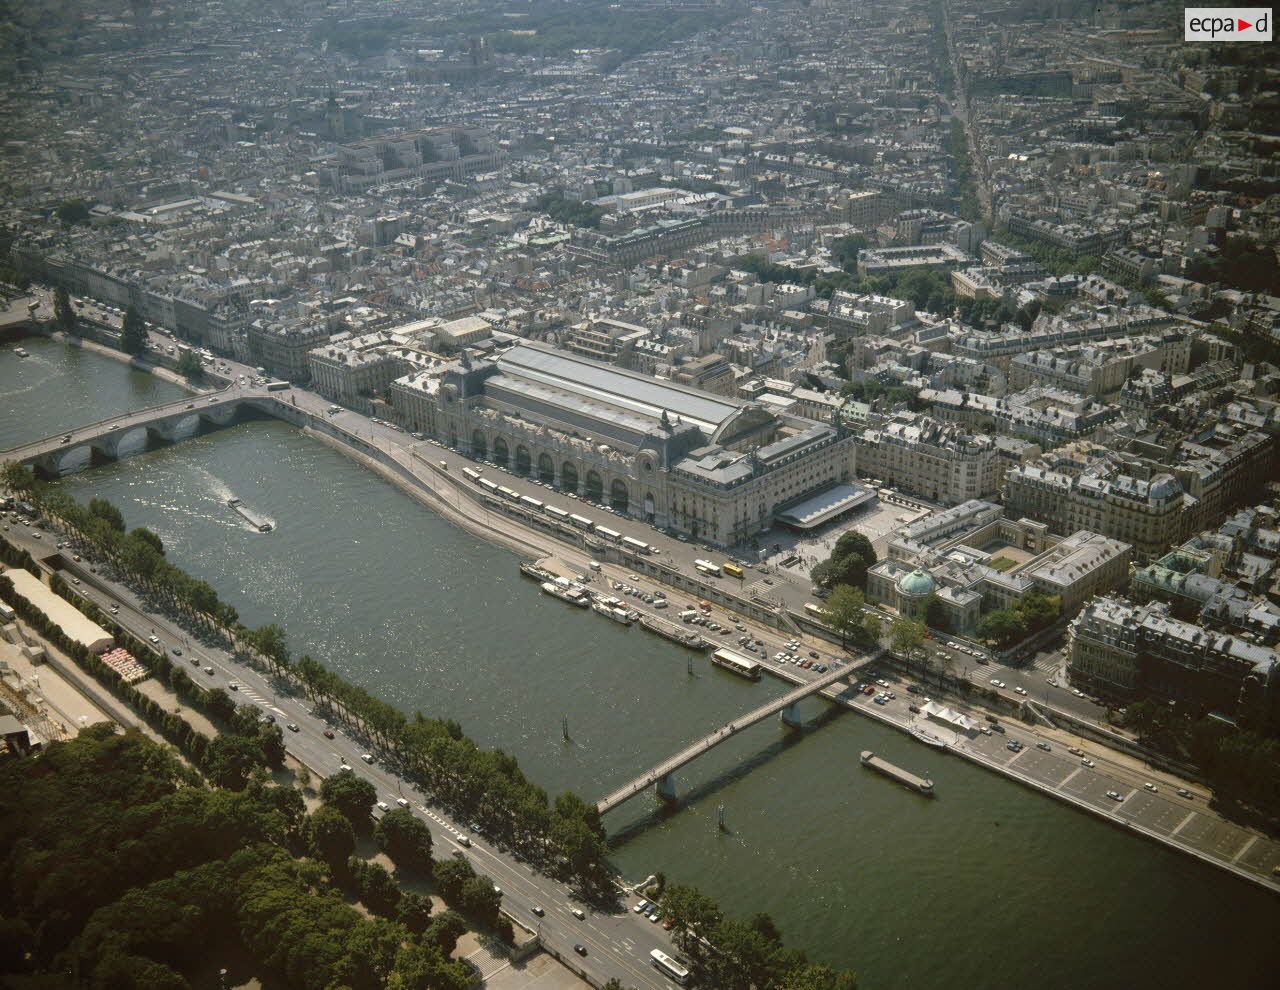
{"x":1243,"y":25}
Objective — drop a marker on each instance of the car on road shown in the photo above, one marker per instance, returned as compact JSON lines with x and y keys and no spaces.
{"x":328,"y":733}
{"x":403,"y":802}
{"x":1086,"y":762}
{"x":75,"y":580}
{"x":368,"y":758}
{"x":177,"y":650}
{"x":153,"y":640}
{"x":1045,"y":746}
{"x":1151,"y":787}
{"x":1020,"y":690}
{"x":537,"y":909}
{"x":579,"y":914}
{"x":580,"y":949}
{"x":383,"y":806}
{"x":209,"y":671}
{"x":639,"y":908}
{"x":1183,"y":792}
{"x":291,"y":727}
{"x":1114,"y":795}
{"x":655,"y":917}
{"x":1075,"y":751}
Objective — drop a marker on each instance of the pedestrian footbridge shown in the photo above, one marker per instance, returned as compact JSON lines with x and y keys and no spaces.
{"x":662,"y":776}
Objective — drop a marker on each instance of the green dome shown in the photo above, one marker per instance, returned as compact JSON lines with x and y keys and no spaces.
{"x":917,"y":584}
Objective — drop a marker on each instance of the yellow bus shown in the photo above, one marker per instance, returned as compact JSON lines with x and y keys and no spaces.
{"x":733,"y":570}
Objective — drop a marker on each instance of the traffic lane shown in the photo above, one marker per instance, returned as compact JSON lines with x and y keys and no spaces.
{"x":523,"y":888}
{"x":1154,"y":812}
{"x":610,"y":947}
{"x":325,"y":753}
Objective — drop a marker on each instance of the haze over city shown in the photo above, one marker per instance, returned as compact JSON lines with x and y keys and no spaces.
{"x":548,"y":494}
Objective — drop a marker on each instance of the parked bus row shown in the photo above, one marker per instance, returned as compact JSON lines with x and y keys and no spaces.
{"x":559,"y":514}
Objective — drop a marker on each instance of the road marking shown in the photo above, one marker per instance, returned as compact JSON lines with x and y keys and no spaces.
{"x":1190,"y":815}
{"x":1069,"y":777}
{"x":1244,"y":849}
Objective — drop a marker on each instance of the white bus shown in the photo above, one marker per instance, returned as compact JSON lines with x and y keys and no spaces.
{"x":473,"y":476}
{"x":631,"y":543}
{"x":667,"y":966}
{"x":556,"y":512}
{"x":582,"y":522}
{"x":488,"y":485}
{"x":529,"y":502}
{"x":612,"y":535}
{"x":707,"y":568}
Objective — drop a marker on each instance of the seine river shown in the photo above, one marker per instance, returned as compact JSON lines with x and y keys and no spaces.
{"x":988,"y":884}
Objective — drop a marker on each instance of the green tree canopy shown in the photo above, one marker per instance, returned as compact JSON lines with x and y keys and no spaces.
{"x":73,"y":211}
{"x":332,"y":837}
{"x":848,"y":563}
{"x":64,"y":316}
{"x":906,"y":635}
{"x":844,"y":611}
{"x":353,"y":796}
{"x":133,"y":332}
{"x":404,"y":838}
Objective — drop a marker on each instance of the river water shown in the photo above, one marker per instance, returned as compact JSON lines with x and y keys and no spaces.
{"x":989,"y":883}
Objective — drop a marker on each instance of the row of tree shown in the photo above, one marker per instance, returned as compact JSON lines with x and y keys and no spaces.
{"x":1243,"y":766}
{"x":565,"y":838}
{"x":732,"y":954}
{"x":1032,"y":613}
{"x":100,"y":528}
{"x":331,"y":837}
{"x":246,"y":743}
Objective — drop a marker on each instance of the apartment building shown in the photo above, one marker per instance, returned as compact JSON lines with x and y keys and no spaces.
{"x":1127,"y":651}
{"x":943,"y":462}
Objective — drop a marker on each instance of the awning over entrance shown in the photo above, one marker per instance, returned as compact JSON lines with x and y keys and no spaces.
{"x":825,"y":506}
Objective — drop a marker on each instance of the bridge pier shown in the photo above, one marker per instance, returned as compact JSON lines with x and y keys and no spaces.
{"x":667,"y":788}
{"x":790,"y":716}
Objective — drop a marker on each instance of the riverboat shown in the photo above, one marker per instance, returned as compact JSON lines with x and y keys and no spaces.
{"x":566,"y":593}
{"x":538,"y":573}
{"x":254,"y":520}
{"x":668,"y":631}
{"x":928,"y":738}
{"x":736,"y":663}
{"x":919,"y":784}
{"x":613,"y":612}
